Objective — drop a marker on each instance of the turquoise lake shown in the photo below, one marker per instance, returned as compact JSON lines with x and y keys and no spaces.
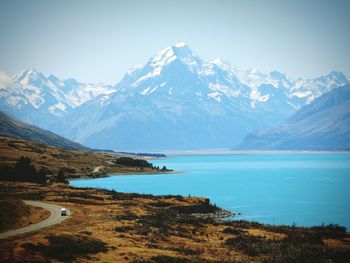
{"x":304,"y":189}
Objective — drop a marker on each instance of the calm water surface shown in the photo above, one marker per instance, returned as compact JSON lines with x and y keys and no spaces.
{"x":305,"y":189}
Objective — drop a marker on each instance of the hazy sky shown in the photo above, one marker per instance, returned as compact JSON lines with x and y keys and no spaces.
{"x":97,"y":41}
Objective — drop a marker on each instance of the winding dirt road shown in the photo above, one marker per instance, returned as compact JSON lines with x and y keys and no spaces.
{"x":97,"y":169}
{"x":53,"y":219}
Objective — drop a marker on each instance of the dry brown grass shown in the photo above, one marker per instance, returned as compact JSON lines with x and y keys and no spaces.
{"x":74,"y":163}
{"x":132,"y":229}
{"x":16,"y":214}
{"x":116,"y":227}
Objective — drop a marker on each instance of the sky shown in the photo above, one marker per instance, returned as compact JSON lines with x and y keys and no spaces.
{"x":98,"y":41}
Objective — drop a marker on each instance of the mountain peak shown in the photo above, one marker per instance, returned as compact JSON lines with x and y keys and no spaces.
{"x":27,"y":71}
{"x":337,"y":75}
{"x":182,"y":50}
{"x":221,"y":63}
{"x":163,"y":57}
{"x":180,"y":45}
{"x":27,"y":75}
{"x":179,"y":51}
{"x":277,"y":75}
{"x":217,"y":61}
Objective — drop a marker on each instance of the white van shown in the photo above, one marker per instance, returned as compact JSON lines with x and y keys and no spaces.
{"x":63,"y":212}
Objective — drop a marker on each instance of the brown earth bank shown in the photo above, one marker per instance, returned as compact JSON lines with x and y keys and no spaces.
{"x":14,"y":213}
{"x":74,"y":163}
{"x":107,"y":226}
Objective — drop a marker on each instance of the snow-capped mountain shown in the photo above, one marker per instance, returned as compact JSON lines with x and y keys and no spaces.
{"x":179,"y":101}
{"x":32,"y":96}
{"x":176,"y":100}
{"x":224,"y":80}
{"x":324,"y":124}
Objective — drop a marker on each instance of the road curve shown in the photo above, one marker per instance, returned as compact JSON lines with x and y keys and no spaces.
{"x":54,"y":218}
{"x":97,"y":169}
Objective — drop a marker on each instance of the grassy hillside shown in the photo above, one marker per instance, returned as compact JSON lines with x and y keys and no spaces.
{"x":15,"y":214}
{"x":74,"y":163}
{"x":10,"y":127}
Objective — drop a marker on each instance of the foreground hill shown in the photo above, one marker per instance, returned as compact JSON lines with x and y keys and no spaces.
{"x":107,"y":226}
{"x":16,"y":129}
{"x":16,"y":214}
{"x":322,"y":125}
{"x":74,"y":163}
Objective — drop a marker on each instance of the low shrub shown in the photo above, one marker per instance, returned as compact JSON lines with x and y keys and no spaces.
{"x":232,"y":231}
{"x":127,"y":161}
{"x":124,"y":228}
{"x":330,"y":231}
{"x":168,"y":259}
{"x":68,"y":248}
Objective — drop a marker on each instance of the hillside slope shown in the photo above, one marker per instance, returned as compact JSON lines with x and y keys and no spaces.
{"x":322,"y":125}
{"x":10,"y":127}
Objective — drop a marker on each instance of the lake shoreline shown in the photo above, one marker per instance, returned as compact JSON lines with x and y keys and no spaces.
{"x":173,"y":227}
{"x":106,"y":175}
{"x":248,"y":152}
{"x":245,"y":184}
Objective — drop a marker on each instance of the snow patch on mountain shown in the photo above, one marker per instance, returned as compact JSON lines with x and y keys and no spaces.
{"x":15,"y":101}
{"x":215,"y":95}
{"x":134,"y":68}
{"x":148,"y":90}
{"x":154,"y":73}
{"x":255,"y":97}
{"x":163,"y":57}
{"x":58,"y":109}
{"x":222,"y":89}
{"x":86,"y":93}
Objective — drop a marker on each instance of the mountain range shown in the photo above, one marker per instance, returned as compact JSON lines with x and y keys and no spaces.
{"x":324,"y":124}
{"x":176,"y":100}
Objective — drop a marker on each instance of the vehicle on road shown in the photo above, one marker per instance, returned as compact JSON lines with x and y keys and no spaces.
{"x":63,"y":212}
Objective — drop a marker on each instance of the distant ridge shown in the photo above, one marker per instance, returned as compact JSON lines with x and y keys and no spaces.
{"x":322,"y":125}
{"x":10,"y":127}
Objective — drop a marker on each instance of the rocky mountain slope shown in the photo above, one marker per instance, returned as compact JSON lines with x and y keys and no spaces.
{"x":44,"y":100}
{"x":322,"y":125}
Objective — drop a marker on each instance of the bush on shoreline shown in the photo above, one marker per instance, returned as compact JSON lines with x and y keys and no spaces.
{"x":127,"y":161}
{"x":68,"y":248}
